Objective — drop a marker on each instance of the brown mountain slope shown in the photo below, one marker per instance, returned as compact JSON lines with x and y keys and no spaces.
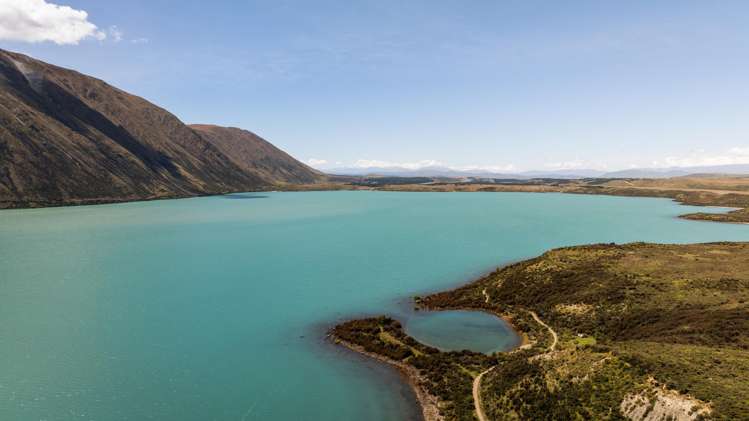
{"x":66,"y":138}
{"x":254,"y":154}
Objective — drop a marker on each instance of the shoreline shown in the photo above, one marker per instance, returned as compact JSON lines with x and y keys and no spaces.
{"x":675,"y":194}
{"x":15,"y":205}
{"x":523,"y":336}
{"x":428,"y":403}
{"x":525,"y":340}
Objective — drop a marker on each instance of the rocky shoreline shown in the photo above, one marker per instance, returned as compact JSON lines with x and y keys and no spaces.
{"x":429,"y":403}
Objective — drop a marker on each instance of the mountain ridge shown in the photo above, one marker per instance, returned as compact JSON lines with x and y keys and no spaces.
{"x":253,"y":153}
{"x":443,"y":171}
{"x":68,"y":138}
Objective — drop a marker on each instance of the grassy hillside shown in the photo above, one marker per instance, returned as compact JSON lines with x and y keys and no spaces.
{"x":645,"y":332}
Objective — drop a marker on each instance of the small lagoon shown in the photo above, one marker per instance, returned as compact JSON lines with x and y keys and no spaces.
{"x":458,"y":330}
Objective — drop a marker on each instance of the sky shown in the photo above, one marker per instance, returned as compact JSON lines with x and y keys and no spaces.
{"x":493,"y":85}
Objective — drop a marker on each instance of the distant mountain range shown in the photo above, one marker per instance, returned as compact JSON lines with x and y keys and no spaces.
{"x":736,"y":169}
{"x":742,"y":169}
{"x":435,"y":171}
{"x":67,"y":138}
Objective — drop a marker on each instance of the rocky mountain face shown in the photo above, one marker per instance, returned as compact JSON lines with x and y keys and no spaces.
{"x":67,"y":138}
{"x":255,"y":155}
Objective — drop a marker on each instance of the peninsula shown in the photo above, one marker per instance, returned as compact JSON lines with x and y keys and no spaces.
{"x":635,"y":331}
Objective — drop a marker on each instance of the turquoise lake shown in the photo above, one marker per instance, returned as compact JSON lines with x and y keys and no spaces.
{"x":216,"y":308}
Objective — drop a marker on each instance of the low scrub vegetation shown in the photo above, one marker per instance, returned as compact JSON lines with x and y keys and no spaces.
{"x":446,"y":375}
{"x":633,"y":320}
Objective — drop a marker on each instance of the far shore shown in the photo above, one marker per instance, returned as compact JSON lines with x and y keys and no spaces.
{"x":725,"y":192}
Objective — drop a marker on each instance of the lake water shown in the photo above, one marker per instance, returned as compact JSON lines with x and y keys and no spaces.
{"x":459,"y":330}
{"x":216,"y":308}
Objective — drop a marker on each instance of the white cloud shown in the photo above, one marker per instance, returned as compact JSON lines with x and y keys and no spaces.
{"x":39,"y":21}
{"x":698,"y":158}
{"x":484,"y":168}
{"x":373,"y":163}
{"x":576,"y":164}
{"x":428,"y":164}
{"x":115,"y":33}
{"x":736,"y":155}
{"x":312,"y":162}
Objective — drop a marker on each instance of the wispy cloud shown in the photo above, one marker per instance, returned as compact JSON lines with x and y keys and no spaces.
{"x":734,"y":156}
{"x":415,"y":165}
{"x":699,"y":157}
{"x":576,"y":164}
{"x":115,"y":33}
{"x":365,"y":164}
{"x":313,"y":162}
{"x":39,"y":21}
{"x":484,"y":168}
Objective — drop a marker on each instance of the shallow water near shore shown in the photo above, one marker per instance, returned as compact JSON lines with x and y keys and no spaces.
{"x":216,"y":309}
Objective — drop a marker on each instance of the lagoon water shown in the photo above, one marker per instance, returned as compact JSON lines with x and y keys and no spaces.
{"x":459,"y":330}
{"x":216,"y":308}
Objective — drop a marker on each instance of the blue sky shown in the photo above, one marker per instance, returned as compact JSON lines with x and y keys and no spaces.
{"x":507,"y":85}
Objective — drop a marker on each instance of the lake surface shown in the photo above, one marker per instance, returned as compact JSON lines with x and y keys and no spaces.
{"x":216,"y":308}
{"x":459,"y":330}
